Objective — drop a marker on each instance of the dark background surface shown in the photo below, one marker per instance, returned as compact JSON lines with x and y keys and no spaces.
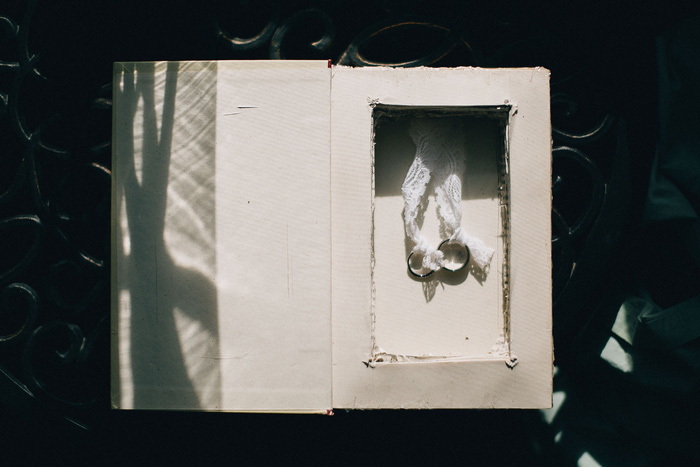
{"x":55,"y":127}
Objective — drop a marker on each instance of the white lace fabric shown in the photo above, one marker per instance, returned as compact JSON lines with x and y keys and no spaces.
{"x":440,"y":156}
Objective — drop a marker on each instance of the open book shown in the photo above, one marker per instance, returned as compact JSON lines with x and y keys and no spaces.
{"x":260,"y":256}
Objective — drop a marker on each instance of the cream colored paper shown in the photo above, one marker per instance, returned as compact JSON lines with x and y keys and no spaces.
{"x":479,"y":379}
{"x":243,"y":230}
{"x":222,"y":236}
{"x":273,"y":225}
{"x":164,"y":257}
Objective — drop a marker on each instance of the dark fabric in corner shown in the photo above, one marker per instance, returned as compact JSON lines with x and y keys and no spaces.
{"x":630,"y":398}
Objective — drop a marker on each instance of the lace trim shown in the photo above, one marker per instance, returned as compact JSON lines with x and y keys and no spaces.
{"x":439,"y":156}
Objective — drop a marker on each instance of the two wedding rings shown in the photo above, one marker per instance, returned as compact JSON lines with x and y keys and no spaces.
{"x":456,"y":254}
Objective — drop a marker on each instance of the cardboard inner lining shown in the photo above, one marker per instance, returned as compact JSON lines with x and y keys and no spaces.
{"x":462,"y":315}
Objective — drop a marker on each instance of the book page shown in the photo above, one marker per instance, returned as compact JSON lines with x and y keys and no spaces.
{"x":434,"y":365}
{"x":221,"y":243}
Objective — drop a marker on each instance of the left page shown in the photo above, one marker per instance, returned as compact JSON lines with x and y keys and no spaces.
{"x":221,"y":236}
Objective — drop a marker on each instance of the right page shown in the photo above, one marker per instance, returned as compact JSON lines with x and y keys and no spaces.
{"x":441,"y":238}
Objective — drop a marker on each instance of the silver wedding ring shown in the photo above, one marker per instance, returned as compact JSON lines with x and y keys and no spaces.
{"x":450,"y":246}
{"x":413,"y":272}
{"x":467,"y":255}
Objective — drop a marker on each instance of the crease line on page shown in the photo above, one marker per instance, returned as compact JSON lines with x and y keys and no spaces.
{"x":330,"y":230}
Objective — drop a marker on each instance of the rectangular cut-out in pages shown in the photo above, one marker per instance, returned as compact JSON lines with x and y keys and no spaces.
{"x":448,"y":314}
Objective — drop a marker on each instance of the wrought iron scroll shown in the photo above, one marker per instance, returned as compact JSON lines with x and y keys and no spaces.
{"x":54,"y":231}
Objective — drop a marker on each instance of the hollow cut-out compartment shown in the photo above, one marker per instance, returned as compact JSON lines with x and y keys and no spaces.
{"x":459,"y":314}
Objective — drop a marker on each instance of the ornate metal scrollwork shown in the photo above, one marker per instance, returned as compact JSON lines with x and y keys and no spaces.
{"x":34,"y":229}
{"x":586,"y":136}
{"x":19,"y":304}
{"x":260,"y":39}
{"x":54,"y":231}
{"x":55,"y":357}
{"x":297,"y":20}
{"x":355,"y":54}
